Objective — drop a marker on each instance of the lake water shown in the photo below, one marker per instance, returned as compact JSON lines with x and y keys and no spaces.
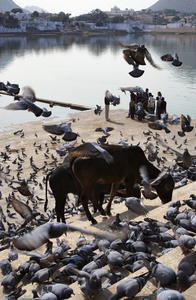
{"x":78,"y":69}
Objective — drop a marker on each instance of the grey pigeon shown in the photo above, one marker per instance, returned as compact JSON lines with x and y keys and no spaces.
{"x":136,"y":205}
{"x":62,"y":291}
{"x":48,"y":296}
{"x":135,"y":55}
{"x":12,"y":254}
{"x":172,"y":58}
{"x":27,"y":103}
{"x":164,"y":293}
{"x":130,"y":287}
{"x":44,"y":274}
{"x":11,"y":280}
{"x":98,"y":110}
{"x":61,"y":129}
{"x":91,"y":150}
{"x":93,"y":281}
{"x":43,"y":233}
{"x":24,"y":210}
{"x":162,"y":273}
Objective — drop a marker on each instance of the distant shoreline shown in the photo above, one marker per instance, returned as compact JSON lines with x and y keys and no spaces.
{"x":179,"y":30}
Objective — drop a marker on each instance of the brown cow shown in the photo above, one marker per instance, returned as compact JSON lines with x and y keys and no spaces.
{"x":124,"y":169}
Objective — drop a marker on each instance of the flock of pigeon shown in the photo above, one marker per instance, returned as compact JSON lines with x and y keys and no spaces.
{"x":135,"y":55}
{"x":125,"y":247}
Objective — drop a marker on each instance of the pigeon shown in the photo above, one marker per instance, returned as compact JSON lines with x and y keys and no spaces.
{"x":162,"y":273}
{"x":186,"y":271}
{"x":11,"y":88}
{"x":136,"y":205}
{"x":134,"y":89}
{"x":159,"y":125}
{"x":186,"y":123}
{"x":24,"y":189}
{"x":62,"y":291}
{"x":27,"y":103}
{"x":44,"y":274}
{"x":24,"y":210}
{"x":174,"y":58}
{"x":165,"y":293}
{"x":105,"y":131}
{"x":185,"y":156}
{"x":43,"y":233}
{"x":129,"y":288}
{"x":135,"y":55}
{"x":93,"y":281}
{"x":91,"y":150}
{"x":98,"y":110}
{"x":61,"y":129}
{"x":12,"y":254}
{"x":147,"y":192}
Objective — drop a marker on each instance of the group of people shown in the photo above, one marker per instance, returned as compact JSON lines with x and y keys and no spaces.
{"x":138,"y":103}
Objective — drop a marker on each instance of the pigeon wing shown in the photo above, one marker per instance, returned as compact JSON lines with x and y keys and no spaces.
{"x":34,"y":239}
{"x":85,"y":150}
{"x":19,"y":105}
{"x":20,"y":207}
{"x":149,"y":58}
{"x":54,"y":129}
{"x":167,"y":57}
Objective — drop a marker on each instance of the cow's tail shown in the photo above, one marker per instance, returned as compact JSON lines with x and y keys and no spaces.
{"x":74,"y":178}
{"x":46,"y":201}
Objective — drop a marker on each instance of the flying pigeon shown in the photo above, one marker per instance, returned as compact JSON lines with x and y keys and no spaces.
{"x":91,"y":150}
{"x":135,"y":55}
{"x":27,"y":103}
{"x":185,"y":156}
{"x":98,"y":110}
{"x":43,"y":233}
{"x":61,"y":129}
{"x":174,"y":58}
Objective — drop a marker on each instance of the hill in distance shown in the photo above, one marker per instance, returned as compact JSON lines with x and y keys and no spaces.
{"x":184,"y":6}
{"x":34,"y":8}
{"x":8,"y":5}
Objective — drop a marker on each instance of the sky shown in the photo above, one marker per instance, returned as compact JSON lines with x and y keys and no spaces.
{"x":79,"y":7}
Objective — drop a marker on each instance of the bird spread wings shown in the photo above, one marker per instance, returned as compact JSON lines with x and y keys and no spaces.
{"x":91,"y":150}
{"x":144,"y":53}
{"x":58,"y":129}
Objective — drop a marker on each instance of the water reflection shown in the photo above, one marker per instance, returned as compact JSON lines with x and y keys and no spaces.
{"x":78,"y":69}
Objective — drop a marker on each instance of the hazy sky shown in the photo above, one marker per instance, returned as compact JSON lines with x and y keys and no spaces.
{"x":78,"y":7}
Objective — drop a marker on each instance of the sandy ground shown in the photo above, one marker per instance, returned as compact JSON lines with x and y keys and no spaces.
{"x":37,"y":144}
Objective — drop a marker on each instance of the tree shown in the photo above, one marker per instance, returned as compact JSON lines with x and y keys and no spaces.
{"x":35,"y":14}
{"x":117,"y":19}
{"x":99,"y":17}
{"x":11,"y":22}
{"x":15,"y":10}
{"x":61,"y":17}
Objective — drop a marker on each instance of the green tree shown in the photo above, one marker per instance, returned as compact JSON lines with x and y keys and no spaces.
{"x":117,"y":19}
{"x":15,"y":10}
{"x":11,"y":22}
{"x":99,"y":17}
{"x":35,"y":14}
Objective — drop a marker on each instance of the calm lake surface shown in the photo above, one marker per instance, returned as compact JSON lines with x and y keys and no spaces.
{"x":77,"y":69}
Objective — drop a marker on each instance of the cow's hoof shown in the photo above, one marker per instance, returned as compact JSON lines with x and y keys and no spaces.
{"x":94,"y":221}
{"x":108,"y":212}
{"x":103,"y":213}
